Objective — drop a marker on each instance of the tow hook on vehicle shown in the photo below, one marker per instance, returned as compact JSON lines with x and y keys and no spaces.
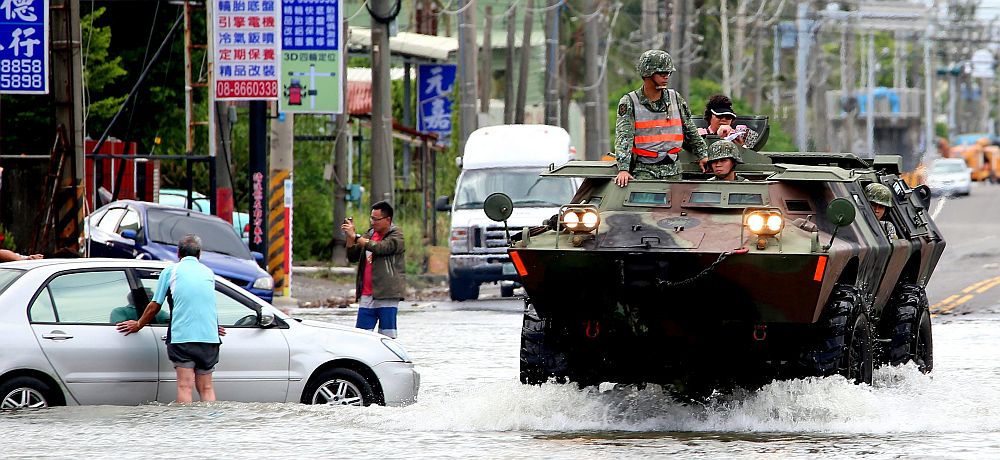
{"x":593,"y":329}
{"x":760,"y":332}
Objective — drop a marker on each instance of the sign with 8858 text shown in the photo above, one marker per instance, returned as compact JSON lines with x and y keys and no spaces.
{"x":24,"y":46}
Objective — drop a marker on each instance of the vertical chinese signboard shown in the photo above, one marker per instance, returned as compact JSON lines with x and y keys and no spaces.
{"x":436,"y":83}
{"x":246,"y":48}
{"x":24,"y":47}
{"x":311,"y":58}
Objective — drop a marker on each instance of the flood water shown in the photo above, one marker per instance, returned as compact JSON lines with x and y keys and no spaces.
{"x":472,"y":405}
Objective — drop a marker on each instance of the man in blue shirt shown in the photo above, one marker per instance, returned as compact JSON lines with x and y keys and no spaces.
{"x":194,"y":331}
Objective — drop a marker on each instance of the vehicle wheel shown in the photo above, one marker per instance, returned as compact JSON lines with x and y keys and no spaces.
{"x":539,"y":360}
{"x":837,"y":348}
{"x":903,"y":318}
{"x":461,"y":290}
{"x":506,"y":290}
{"x":339,"y":387}
{"x":923,"y":346}
{"x":25,"y":393}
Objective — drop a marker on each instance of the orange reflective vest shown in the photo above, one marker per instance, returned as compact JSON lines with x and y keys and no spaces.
{"x":658,"y":135}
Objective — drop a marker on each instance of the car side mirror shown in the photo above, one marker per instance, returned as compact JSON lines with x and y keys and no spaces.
{"x":258,"y":257}
{"x":441,"y":204}
{"x":130,"y":234}
{"x":265,"y":319}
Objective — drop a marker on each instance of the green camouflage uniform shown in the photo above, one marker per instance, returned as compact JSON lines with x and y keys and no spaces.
{"x":725,"y":149}
{"x":650,"y":62}
{"x":880,"y":194}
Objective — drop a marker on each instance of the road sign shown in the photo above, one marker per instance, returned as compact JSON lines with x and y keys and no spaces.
{"x":436,"y":83}
{"x":311,"y":59}
{"x":244,"y":34}
{"x":24,"y":46}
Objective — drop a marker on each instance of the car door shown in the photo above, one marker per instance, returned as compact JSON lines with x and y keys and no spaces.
{"x":253,"y":361}
{"x":71,"y":319}
{"x":120,"y":247}
{"x":102,"y":233}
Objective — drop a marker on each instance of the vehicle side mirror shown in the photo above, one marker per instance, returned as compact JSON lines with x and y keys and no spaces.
{"x":840,"y":213}
{"x":923,"y":193}
{"x":259,"y":258}
{"x":441,"y":204}
{"x":130,"y":234}
{"x":265,"y":319}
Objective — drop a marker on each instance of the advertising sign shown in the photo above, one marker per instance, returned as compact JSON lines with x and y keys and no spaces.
{"x":246,"y":48}
{"x":24,"y":47}
{"x":436,"y":83}
{"x":311,"y":58}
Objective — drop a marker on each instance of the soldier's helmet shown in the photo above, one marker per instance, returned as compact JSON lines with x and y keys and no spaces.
{"x":878,"y":193}
{"x":724,"y":149}
{"x":654,"y":61}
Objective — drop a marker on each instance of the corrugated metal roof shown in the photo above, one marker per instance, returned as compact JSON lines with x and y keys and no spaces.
{"x":365,"y":74}
{"x":407,"y":44}
{"x":359,"y":97}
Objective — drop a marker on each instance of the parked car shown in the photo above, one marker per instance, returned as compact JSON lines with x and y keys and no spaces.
{"x":949,"y":176}
{"x":61,"y":346}
{"x":140,"y":230}
{"x":177,"y":197}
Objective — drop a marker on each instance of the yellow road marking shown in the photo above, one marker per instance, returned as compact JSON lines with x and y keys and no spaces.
{"x":948,"y":304}
{"x":988,"y":286}
{"x":944,"y":302}
{"x":979,"y":284}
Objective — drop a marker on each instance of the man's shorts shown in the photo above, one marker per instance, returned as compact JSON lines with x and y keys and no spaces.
{"x":202,"y":357}
{"x":381,"y":311}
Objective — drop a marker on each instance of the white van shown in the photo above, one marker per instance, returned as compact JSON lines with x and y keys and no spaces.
{"x":508,"y":159}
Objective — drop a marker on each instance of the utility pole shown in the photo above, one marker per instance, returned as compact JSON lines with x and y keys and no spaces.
{"x":870,"y":102}
{"x":928,"y":94}
{"x":67,"y":89}
{"x":602,"y":88}
{"x":648,"y":24}
{"x":727,"y":84}
{"x":552,"y":64}
{"x":847,"y":73}
{"x":522,"y":79}
{"x":340,"y":171}
{"x":486,"y":78}
{"x":592,"y":112}
{"x":382,"y":155}
{"x":279,"y":214}
{"x":223,"y":165}
{"x":467,"y":57}
{"x":801,"y":79}
{"x":508,"y":93}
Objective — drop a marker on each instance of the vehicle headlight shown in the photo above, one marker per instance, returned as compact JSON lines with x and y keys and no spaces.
{"x":580,"y":218}
{"x":459,"y":241}
{"x":397,"y":349}
{"x":764,"y":222}
{"x":265,"y":283}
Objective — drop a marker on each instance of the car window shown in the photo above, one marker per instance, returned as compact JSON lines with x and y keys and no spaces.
{"x":232,"y":312}
{"x":89,"y":297}
{"x":110,"y":220}
{"x":148,"y":280}
{"x":130,"y":221}
{"x":8,"y":276}
{"x":41,"y":310}
{"x":168,"y":227}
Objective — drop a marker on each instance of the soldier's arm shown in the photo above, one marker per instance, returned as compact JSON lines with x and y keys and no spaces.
{"x":624,"y":133}
{"x":693,"y":142}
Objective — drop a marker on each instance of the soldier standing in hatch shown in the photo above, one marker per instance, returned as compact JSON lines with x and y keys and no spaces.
{"x":654,"y":124}
{"x":881,"y":199}
{"x":723,"y":156}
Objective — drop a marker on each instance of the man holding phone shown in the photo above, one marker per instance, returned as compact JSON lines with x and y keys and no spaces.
{"x":381,"y":269}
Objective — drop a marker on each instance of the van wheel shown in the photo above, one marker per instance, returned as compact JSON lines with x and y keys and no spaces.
{"x":339,"y":387}
{"x":506,"y":289}
{"x":25,"y":393}
{"x":461,"y":290}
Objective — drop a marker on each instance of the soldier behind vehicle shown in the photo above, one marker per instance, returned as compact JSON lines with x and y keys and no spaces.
{"x":723,"y":156}
{"x":881,"y":199}
{"x":654,"y":125}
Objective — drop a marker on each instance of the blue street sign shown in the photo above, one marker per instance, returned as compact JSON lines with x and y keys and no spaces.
{"x":435,"y":83}
{"x":24,"y":46}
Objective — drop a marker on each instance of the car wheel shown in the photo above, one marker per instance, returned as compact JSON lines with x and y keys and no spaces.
{"x":25,"y":393}
{"x":339,"y":387}
{"x":506,"y":290}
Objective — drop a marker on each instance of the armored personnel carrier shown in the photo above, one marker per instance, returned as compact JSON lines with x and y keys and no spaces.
{"x":695,"y":282}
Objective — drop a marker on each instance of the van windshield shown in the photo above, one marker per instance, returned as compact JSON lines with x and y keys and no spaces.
{"x":525,"y":187}
{"x":947,"y":167}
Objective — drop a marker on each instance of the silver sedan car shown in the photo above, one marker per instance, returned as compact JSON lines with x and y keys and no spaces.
{"x":60,"y":346}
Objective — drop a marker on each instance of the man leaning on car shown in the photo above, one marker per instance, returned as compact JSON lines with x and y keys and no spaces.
{"x":193,"y":336}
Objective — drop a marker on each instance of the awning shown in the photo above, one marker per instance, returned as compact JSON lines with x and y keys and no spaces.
{"x":406,"y":44}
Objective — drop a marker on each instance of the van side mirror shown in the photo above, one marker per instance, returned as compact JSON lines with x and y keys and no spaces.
{"x":441,"y":204}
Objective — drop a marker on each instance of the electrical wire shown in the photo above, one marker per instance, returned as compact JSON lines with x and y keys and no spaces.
{"x":361,"y":8}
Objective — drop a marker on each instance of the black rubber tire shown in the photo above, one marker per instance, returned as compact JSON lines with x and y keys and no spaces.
{"x":460,"y":290}
{"x":901,"y":322}
{"x":312,"y":395}
{"x":539,"y":361}
{"x":506,"y":290}
{"x":923,"y":346}
{"x":842,"y":339}
{"x":41,"y":394}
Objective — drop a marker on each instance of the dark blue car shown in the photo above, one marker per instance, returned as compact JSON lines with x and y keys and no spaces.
{"x":129,"y":229}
